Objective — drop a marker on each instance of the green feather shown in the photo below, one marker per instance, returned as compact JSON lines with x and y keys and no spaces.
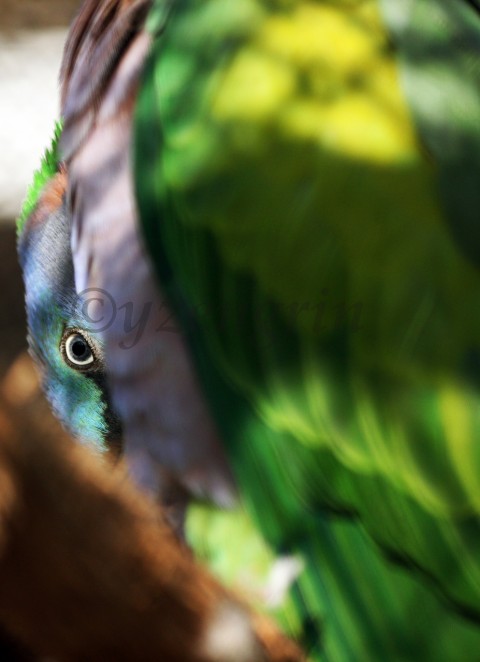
{"x":48,"y":168}
{"x":306,"y":243}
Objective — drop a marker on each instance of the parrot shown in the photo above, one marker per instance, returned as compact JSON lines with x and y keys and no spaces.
{"x":251,"y":262}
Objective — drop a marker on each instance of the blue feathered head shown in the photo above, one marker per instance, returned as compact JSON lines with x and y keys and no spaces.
{"x":70,"y":358}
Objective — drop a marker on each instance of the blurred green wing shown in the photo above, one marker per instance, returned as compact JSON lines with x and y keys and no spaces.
{"x":313,"y":234}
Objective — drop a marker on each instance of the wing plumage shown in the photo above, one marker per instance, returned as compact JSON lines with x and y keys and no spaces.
{"x":307,"y":217}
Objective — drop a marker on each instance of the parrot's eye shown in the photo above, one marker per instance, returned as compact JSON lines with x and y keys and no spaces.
{"x":77,"y":350}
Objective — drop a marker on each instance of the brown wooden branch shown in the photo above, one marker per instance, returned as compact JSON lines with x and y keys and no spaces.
{"x":88,"y":569}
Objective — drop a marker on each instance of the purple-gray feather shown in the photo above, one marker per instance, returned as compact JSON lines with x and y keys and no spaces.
{"x":170,"y":436}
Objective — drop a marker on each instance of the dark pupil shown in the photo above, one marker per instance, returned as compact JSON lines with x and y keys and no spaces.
{"x":80,"y":349}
